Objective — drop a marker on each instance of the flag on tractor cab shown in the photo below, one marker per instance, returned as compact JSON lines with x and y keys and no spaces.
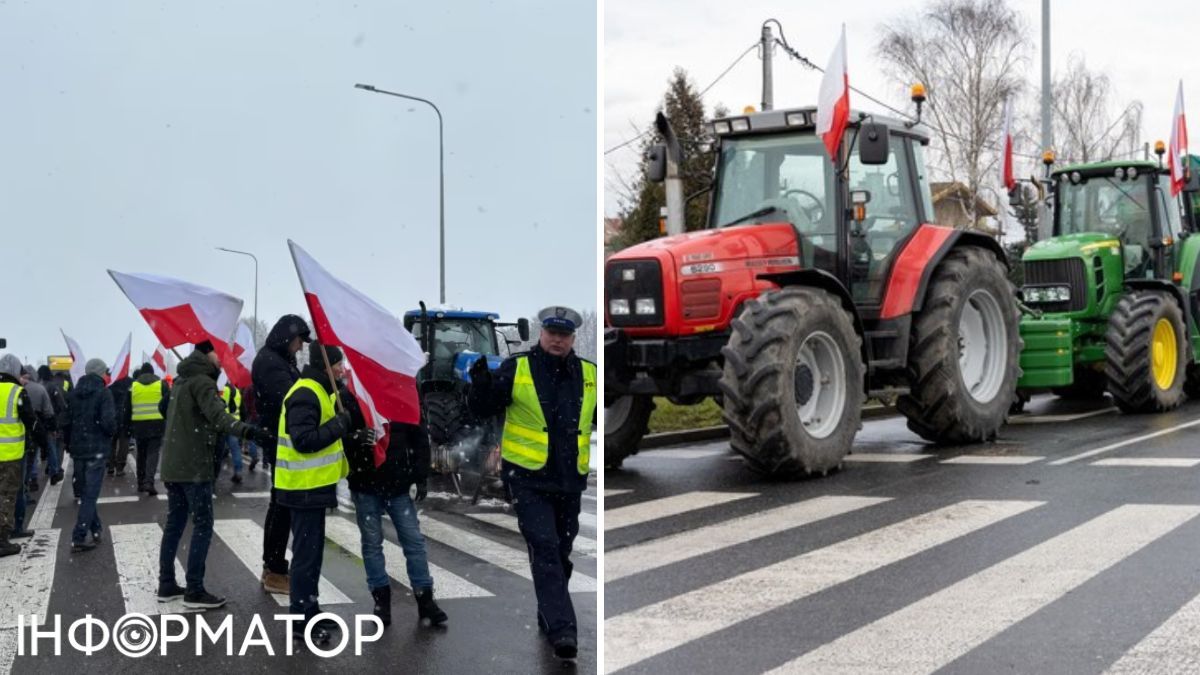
{"x":833,"y":102}
{"x":180,"y":312}
{"x":120,"y":367}
{"x":78,"y":360}
{"x":384,"y":356}
{"x":1179,"y":145}
{"x":1007,"y":175}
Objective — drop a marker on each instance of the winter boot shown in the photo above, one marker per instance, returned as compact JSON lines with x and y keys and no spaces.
{"x":565,"y":646}
{"x":8,"y":548}
{"x":427,"y":609}
{"x":383,"y":604}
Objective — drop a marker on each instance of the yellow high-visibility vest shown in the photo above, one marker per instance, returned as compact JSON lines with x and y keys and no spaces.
{"x":12,"y":429}
{"x":237,"y":397}
{"x":144,"y":400}
{"x":526,"y":439}
{"x":295,"y":470}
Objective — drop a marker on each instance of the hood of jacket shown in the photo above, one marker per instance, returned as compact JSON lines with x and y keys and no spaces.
{"x":197,"y":363}
{"x":88,"y":386}
{"x":10,"y":365}
{"x":147,"y":378}
{"x":288,"y":327}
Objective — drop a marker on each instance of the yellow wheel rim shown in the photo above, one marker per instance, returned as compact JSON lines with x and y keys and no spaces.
{"x":1164,"y":359}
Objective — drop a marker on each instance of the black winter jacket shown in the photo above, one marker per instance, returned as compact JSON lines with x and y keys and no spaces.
{"x":120,"y":391}
{"x":273,"y":374}
{"x":406,"y":462}
{"x":309,"y":435}
{"x":92,"y":421}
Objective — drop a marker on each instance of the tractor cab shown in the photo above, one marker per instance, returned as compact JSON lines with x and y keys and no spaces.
{"x":455,"y":339}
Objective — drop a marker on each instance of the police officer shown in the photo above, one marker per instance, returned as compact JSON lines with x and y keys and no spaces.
{"x":549,"y":397}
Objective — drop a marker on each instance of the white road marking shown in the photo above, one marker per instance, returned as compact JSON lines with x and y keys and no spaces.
{"x":245,"y":538}
{"x":615,"y":493}
{"x":992,"y":459}
{"x":504,"y":557}
{"x":252,"y":495}
{"x":587,"y":520}
{"x":43,"y":514}
{"x":447,"y":584}
{"x":676,"y":621}
{"x":1121,"y":444}
{"x":1167,"y":462}
{"x":682,"y":454}
{"x":1170,"y":648}
{"x":643,"y":512}
{"x":885,"y":457}
{"x":116,"y":500}
{"x":1051,"y":419}
{"x":27,"y":578}
{"x":135,"y":548}
{"x":625,"y":562}
{"x":582,"y":545}
{"x":959,"y":618}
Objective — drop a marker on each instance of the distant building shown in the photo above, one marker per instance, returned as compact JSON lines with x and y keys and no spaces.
{"x":951,"y":202}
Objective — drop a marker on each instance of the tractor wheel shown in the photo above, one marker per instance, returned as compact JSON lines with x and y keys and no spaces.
{"x":793,"y":382}
{"x":624,"y":425}
{"x":1145,"y":353}
{"x":1089,"y":385}
{"x":963,"y":358}
{"x":446,"y":415}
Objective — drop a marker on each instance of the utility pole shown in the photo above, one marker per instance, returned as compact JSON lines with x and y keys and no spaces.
{"x":768,"y":83}
{"x":1047,"y":132}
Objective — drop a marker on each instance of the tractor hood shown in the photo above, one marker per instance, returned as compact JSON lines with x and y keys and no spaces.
{"x":1070,"y":246}
{"x":707,"y":246}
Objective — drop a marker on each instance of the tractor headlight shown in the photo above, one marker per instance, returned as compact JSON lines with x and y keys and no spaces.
{"x":644,"y":306}
{"x":739,"y":124}
{"x":1131,"y":173}
{"x":720,"y":128}
{"x":1119,"y":173}
{"x":1040,"y":294}
{"x":629,"y":274}
{"x":618,"y":307}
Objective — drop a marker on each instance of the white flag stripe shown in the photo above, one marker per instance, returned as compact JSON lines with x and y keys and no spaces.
{"x":582,"y":545}
{"x":993,"y":459}
{"x":1148,"y":462}
{"x":78,"y":360}
{"x":135,"y":549}
{"x":245,"y":538}
{"x":218,"y":312}
{"x":639,"y":558}
{"x":635,"y":514}
{"x":833,"y":85}
{"x":504,"y":557}
{"x":122,"y":360}
{"x":1169,"y":649}
{"x":27,"y":578}
{"x":447,"y":584}
{"x":959,"y":618}
{"x":674,"y":622}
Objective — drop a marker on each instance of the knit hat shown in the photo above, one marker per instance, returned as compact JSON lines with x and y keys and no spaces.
{"x":95,"y":367}
{"x":205,"y":347}
{"x":314,"y":355}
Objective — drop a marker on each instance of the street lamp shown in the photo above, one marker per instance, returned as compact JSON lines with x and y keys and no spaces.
{"x":441,"y":182}
{"x":253,"y":331}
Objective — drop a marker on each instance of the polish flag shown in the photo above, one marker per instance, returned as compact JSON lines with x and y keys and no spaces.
{"x":120,"y":367}
{"x":1006,"y":144}
{"x":833,"y":102}
{"x":237,"y":364}
{"x":159,"y":361}
{"x":182,"y":313}
{"x":77,"y":358}
{"x":384,"y":355}
{"x":371,"y":416}
{"x":1179,"y":145}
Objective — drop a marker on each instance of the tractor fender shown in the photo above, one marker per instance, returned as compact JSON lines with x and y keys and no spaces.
{"x":826,"y":282}
{"x":1172,"y":290}
{"x":908,"y":278}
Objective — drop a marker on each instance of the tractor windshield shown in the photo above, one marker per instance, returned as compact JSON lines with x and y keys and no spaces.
{"x":451,"y":336}
{"x":791,"y":173}
{"x":1107,"y":205}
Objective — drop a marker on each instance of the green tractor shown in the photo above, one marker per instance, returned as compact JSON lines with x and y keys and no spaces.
{"x":1113,"y":296}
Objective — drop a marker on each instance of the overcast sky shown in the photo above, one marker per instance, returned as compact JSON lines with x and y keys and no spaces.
{"x":1143,"y":47}
{"x":137,"y":136}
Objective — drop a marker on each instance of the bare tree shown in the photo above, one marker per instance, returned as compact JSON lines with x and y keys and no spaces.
{"x":971,"y":56}
{"x":1086,"y":127}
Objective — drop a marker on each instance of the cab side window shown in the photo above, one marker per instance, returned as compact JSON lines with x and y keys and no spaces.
{"x":892,"y":214}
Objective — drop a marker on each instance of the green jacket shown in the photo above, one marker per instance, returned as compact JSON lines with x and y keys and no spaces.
{"x":196,"y":421}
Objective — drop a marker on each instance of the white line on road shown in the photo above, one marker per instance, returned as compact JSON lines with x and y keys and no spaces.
{"x":116,"y":500}
{"x":583,"y":545}
{"x":1163,"y":462}
{"x":27,"y":578}
{"x":635,"y":514}
{"x":632,"y":560}
{"x":43,"y":514}
{"x":252,"y":495}
{"x":1121,"y":444}
{"x":245,"y":538}
{"x":587,"y":520}
{"x":683,"y":454}
{"x":1170,"y":648}
{"x":135,"y":548}
{"x":615,"y":493}
{"x":959,"y":618}
{"x":885,"y":457}
{"x":1051,"y":419}
{"x":676,"y":621}
{"x":449,"y":585}
{"x":992,"y":459}
{"x":504,"y":557}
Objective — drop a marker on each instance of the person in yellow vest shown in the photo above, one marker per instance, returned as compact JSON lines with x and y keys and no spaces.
{"x":548,"y":395}
{"x":232,"y":446}
{"x":310,"y":459}
{"x":147,"y":422}
{"x":17,"y":420}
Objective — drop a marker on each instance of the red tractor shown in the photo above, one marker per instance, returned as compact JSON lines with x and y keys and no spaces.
{"x":814,"y":285}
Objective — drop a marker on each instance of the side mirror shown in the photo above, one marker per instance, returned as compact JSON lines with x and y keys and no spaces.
{"x":3,"y":343}
{"x":656,"y":165}
{"x":523,"y":329}
{"x":873,"y":144}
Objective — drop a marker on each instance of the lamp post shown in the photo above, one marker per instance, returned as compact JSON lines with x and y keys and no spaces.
{"x":441,"y":182}
{"x":253,"y":331}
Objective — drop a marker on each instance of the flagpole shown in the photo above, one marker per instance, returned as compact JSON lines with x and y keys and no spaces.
{"x":337,"y":398}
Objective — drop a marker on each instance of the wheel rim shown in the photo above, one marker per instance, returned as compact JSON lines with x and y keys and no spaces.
{"x":1163,"y":357}
{"x":618,"y":413}
{"x":982,"y":346}
{"x":820,"y":384}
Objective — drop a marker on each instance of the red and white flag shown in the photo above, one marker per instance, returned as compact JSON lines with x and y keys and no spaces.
{"x":159,"y":361}
{"x":1179,"y":145}
{"x":182,"y":313}
{"x":120,"y":367}
{"x":833,"y":102}
{"x":371,"y":416}
{"x":384,"y":356}
{"x":240,"y":360}
{"x":77,"y":358}
{"x":1007,"y":175}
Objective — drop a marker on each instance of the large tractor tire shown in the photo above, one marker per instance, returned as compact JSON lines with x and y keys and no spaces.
{"x":793,"y":382}
{"x":446,"y":415}
{"x":1089,"y":385}
{"x":1145,"y":353}
{"x":964,"y":351}
{"x":625,"y":423}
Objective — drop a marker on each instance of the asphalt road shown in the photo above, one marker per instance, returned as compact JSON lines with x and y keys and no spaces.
{"x":480,"y":570}
{"x":1071,"y":545}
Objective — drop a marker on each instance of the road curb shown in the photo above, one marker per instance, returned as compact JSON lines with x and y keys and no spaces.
{"x":661,"y":440}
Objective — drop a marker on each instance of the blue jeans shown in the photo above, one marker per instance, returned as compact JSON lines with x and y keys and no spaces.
{"x":184,"y":499}
{"x":234,"y":447}
{"x":369,"y":510}
{"x":90,"y":473}
{"x":53,"y":461}
{"x":255,"y":451}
